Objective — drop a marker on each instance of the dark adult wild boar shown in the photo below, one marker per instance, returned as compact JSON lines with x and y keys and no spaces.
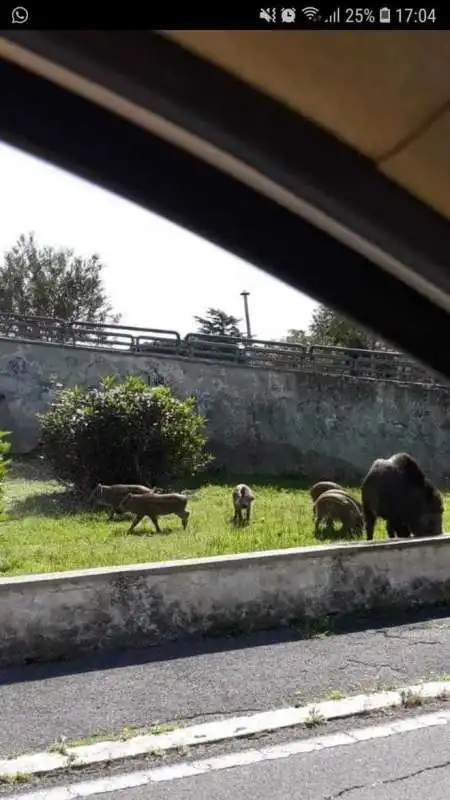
{"x":397,"y":490}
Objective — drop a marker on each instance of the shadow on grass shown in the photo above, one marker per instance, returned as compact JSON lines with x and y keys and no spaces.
{"x":292,"y":481}
{"x":32,"y":467}
{"x":144,"y":533}
{"x":256,"y":481}
{"x":48,"y":504}
{"x":35,"y":467}
{"x":143,"y":529}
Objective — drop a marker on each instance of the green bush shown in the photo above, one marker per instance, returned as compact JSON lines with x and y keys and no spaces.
{"x":123,"y":433}
{"x":5,"y":447}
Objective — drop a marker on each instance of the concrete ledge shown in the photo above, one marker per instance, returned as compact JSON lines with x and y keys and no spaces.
{"x":62,"y":615}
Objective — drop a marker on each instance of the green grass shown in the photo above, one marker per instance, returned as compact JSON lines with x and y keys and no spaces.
{"x":335,"y":695}
{"x":19,"y":777}
{"x":123,"y":735}
{"x":44,"y":533}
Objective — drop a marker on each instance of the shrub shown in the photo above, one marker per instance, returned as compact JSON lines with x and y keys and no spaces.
{"x":5,"y":447}
{"x":123,"y":433}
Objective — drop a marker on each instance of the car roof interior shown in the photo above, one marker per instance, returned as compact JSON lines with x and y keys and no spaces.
{"x":319,"y":156}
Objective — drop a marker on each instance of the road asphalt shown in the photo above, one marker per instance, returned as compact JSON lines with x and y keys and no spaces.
{"x":211,"y":679}
{"x":415,"y":764}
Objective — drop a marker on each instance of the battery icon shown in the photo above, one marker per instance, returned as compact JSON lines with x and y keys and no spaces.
{"x":385,"y":15}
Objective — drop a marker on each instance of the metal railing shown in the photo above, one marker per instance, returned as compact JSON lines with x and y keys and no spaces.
{"x":373,"y":364}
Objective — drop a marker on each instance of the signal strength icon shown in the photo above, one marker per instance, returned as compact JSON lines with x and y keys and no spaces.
{"x":335,"y":17}
{"x":310,"y":12}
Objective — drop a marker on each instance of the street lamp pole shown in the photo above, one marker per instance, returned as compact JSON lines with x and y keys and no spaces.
{"x":246,"y":295}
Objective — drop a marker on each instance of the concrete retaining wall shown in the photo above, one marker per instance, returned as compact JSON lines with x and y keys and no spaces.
{"x":55,"y":616}
{"x":259,"y":420}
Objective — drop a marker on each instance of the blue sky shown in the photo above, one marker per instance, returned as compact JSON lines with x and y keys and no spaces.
{"x":157,"y":274}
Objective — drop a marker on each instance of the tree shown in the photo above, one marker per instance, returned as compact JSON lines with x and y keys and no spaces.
{"x":123,"y":433}
{"x":50,"y":282}
{"x":218,"y":323}
{"x":330,"y":328}
{"x":296,"y":336}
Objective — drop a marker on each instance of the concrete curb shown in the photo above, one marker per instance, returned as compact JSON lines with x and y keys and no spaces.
{"x":61,"y":616}
{"x":213,"y":732}
{"x":188,"y":769}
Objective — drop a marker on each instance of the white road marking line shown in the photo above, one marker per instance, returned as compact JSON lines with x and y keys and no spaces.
{"x":131,"y":780}
{"x":212,"y":732}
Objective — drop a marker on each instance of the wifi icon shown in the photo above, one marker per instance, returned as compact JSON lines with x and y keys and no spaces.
{"x":310,"y":12}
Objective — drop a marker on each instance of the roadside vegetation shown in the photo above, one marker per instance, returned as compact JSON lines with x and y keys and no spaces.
{"x":132,"y":433}
{"x":46,"y":531}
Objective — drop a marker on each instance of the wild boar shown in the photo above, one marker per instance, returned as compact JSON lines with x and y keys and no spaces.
{"x":338,"y":506}
{"x":397,"y":490}
{"x":321,"y":487}
{"x":326,"y":486}
{"x":155,"y":505}
{"x":112,"y":496}
{"x":243,"y":498}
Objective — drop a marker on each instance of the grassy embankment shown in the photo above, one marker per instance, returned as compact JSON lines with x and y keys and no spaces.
{"x":44,"y":534}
